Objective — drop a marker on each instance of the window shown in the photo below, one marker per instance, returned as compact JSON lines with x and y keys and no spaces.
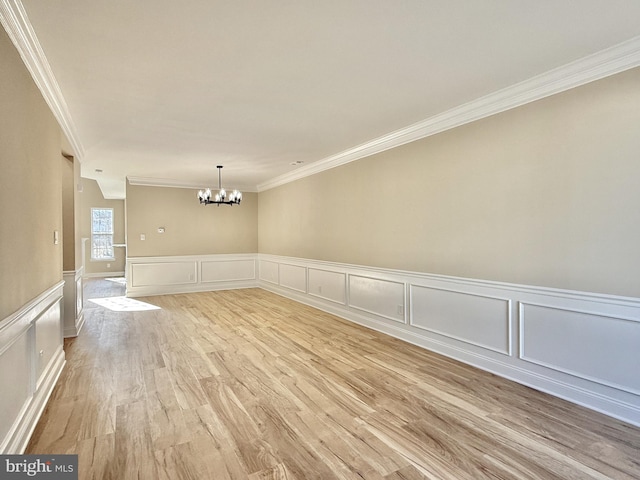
{"x":102,"y":234}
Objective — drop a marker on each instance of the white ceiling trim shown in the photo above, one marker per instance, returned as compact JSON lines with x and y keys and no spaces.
{"x":163,"y":182}
{"x":610,"y":61}
{"x":17,"y":25}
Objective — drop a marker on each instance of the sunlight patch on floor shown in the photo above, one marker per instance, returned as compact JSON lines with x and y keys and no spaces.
{"x":123,"y":304}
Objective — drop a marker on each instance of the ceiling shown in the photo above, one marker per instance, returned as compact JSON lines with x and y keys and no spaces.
{"x":164,"y":91}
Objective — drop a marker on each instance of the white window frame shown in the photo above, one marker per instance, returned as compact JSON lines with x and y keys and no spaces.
{"x":102,"y":234}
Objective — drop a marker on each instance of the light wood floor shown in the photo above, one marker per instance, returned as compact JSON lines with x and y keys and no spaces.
{"x":247,"y":385}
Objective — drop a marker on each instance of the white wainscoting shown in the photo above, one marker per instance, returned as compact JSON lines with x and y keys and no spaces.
{"x":72,"y":305}
{"x":194,"y":273}
{"x":31,"y":360}
{"x":579,"y":346}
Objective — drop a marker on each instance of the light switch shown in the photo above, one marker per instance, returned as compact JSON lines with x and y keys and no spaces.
{"x":143,"y":236}
{"x":56,"y":237}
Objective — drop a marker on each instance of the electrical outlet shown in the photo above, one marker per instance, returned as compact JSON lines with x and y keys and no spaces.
{"x":108,"y":265}
{"x":400,"y":310}
{"x":143,"y":236}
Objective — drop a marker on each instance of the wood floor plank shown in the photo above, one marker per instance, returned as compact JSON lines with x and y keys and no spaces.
{"x":166,"y":420}
{"x":354,"y":452}
{"x":98,"y":415}
{"x":407,"y":473}
{"x":244,"y":384}
{"x":57,"y":431}
{"x":95,"y":458}
{"x":279,"y":472}
{"x":180,"y":461}
{"x":134,"y":453}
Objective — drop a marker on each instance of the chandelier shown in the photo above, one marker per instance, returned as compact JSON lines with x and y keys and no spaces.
{"x":221,"y":197}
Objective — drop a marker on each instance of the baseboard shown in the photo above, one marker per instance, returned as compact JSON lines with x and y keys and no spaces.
{"x":150,"y":291}
{"x":75,"y":330}
{"x":510,"y":330}
{"x":103,"y":275}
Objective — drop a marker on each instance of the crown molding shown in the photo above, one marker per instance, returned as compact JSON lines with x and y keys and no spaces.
{"x":165,"y":182}
{"x":610,"y":61}
{"x":17,"y":25}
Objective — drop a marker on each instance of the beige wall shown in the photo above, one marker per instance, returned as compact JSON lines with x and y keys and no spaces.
{"x":30,"y":186}
{"x":77,"y":216}
{"x":68,"y":214}
{"x":547,"y":194}
{"x":91,"y":197}
{"x":71,"y":213}
{"x":190,"y":228}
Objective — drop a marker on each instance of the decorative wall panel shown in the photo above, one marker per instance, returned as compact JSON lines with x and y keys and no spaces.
{"x":269,"y":272}
{"x":169,"y":273}
{"x":380,"y":297}
{"x":475,"y":319}
{"x":293,"y":277}
{"x":596,"y":347}
{"x":328,"y":285}
{"x":227,"y":270}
